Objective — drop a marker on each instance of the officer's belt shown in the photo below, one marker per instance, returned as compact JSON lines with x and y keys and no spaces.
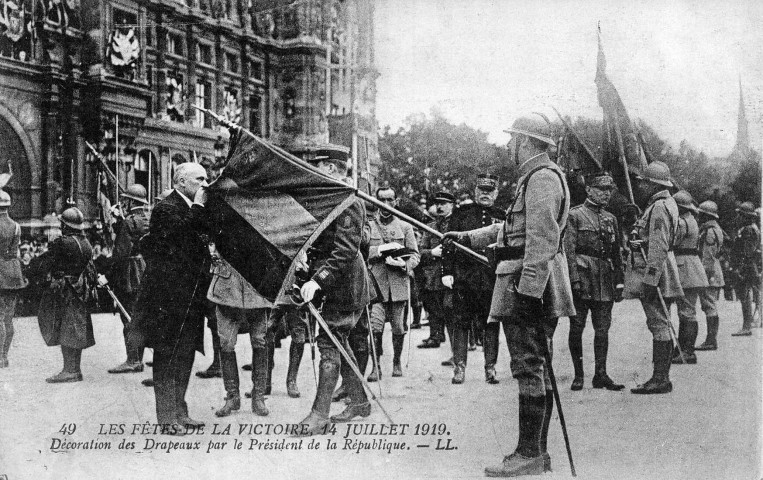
{"x":509,"y":253}
{"x":590,"y":252}
{"x":687,"y":251}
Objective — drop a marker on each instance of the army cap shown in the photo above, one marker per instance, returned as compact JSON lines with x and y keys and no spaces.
{"x":444,"y":197}
{"x":684,"y":200}
{"x":486,"y":181}
{"x":710,"y":208}
{"x":602,"y":181}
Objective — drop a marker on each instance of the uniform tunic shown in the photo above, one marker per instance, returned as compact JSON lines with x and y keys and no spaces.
{"x":710,"y":244}
{"x":690,"y":268}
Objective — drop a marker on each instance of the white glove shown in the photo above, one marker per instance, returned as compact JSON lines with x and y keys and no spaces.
{"x":388,"y":246}
{"x":308,"y":290}
{"x":116,"y":210}
{"x":302,"y":262}
{"x":447,"y":280}
{"x":437,"y":251}
{"x":394,"y":262}
{"x":102,"y":280}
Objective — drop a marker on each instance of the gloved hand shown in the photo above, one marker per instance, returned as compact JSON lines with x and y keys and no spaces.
{"x":458,"y":237}
{"x":528,"y":307}
{"x":437,"y":251}
{"x":635,"y":245}
{"x":116,"y":211}
{"x":102,"y":282}
{"x":395,"y":262}
{"x":619,"y":288}
{"x":308,"y":290}
{"x":447,"y":280}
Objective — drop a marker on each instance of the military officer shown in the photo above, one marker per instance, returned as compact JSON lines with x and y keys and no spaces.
{"x":11,"y":276}
{"x":472,"y":283}
{"x":592,"y":244}
{"x":745,"y":262}
{"x":532,"y":288}
{"x":129,"y":265}
{"x":339,"y":272}
{"x":692,"y":275}
{"x":652,"y":244}
{"x":710,"y":245}
{"x":64,"y":317}
{"x":437,"y":298}
{"x":393,"y":275}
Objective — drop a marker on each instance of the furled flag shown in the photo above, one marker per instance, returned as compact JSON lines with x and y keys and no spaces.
{"x":619,"y":131}
{"x":269,"y":206}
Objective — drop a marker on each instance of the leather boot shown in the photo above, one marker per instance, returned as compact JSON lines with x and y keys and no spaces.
{"x":692,"y":329}
{"x":490,"y":347}
{"x":376,"y":374}
{"x":490,"y":375}
{"x":460,"y":341}
{"x":133,"y":364}
{"x":214,"y":369}
{"x":271,"y":349}
{"x":358,"y":401}
{"x":527,"y":459}
{"x":296,"y":350}
{"x":600,"y":378}
{"x":397,"y":348}
{"x":660,"y":381}
{"x":229,"y":367}
{"x":548,"y":412}
{"x":318,"y":419}
{"x":259,"y":381}
{"x":459,"y":374}
{"x":575,"y":342}
{"x":710,"y":342}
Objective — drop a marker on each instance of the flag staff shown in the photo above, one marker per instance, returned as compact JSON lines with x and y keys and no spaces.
{"x":361,"y":194}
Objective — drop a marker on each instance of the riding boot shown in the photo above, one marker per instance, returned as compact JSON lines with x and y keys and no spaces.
{"x":681,"y":343}
{"x":660,"y":381}
{"x":376,"y":374}
{"x":600,"y":378}
{"x":214,"y":369}
{"x":296,"y":349}
{"x":271,"y":351}
{"x":490,"y":347}
{"x":460,"y":340}
{"x":549,"y":410}
{"x":229,"y":367}
{"x":318,"y":418}
{"x":692,"y":329}
{"x":358,"y":401}
{"x":527,"y":459}
{"x":575,"y":342}
{"x":397,"y":348}
{"x":260,"y":371}
{"x":711,"y":342}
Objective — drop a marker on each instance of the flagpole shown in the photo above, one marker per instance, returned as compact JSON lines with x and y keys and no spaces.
{"x":359,"y":193}
{"x":116,"y":163}
{"x":623,"y":160}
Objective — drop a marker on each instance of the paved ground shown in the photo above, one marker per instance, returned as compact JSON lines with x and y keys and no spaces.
{"x":708,"y":428}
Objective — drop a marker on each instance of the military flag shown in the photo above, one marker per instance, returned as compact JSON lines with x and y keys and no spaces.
{"x":267,"y":207}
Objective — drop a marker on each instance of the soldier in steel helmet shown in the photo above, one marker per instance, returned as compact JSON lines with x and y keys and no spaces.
{"x":746,"y":263}
{"x":63,"y":316}
{"x":133,"y":218}
{"x":710,"y":245}
{"x":592,"y":245}
{"x":692,"y":275}
{"x":652,"y":243}
{"x":532,"y":287}
{"x":11,"y":276}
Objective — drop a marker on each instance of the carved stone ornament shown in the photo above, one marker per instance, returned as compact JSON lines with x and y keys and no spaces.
{"x":123,"y":48}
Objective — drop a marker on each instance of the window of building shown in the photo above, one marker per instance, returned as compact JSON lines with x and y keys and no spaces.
{"x":125,"y":19}
{"x":203,"y":99}
{"x":204,"y":53}
{"x":149,"y":33}
{"x":231,"y":62}
{"x":255,"y":114}
{"x":255,"y":69}
{"x":175,"y":43}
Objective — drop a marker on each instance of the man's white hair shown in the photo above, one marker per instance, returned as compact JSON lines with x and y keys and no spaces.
{"x":185,"y":170}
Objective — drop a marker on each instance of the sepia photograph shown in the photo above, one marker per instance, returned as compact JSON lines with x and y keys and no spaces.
{"x":381,"y":239}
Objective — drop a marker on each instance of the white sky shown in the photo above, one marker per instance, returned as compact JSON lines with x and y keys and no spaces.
{"x":676,"y":63}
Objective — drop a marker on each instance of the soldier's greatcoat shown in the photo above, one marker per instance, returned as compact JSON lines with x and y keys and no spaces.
{"x":129,"y":264}
{"x":11,"y":277}
{"x":392,"y":281}
{"x":466,"y":272}
{"x":710,"y":244}
{"x":690,"y":268}
{"x":535,"y":223}
{"x":431,"y":266}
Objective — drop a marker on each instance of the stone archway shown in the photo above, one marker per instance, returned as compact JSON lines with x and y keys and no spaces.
{"x":17,"y":153}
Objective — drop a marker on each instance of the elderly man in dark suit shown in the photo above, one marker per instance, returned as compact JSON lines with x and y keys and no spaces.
{"x":170,"y":306}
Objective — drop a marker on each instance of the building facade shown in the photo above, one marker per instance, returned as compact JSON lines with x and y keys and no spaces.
{"x":123,"y":76}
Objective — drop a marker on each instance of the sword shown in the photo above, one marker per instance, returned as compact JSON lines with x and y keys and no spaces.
{"x":319,"y":318}
{"x":311,"y":339}
{"x":373,"y":350}
{"x":102,"y":282}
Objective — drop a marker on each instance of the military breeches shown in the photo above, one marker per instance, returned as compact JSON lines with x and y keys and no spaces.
{"x":656,"y":318}
{"x":341,"y":324}
{"x":392,"y":311}
{"x":746,"y":294}
{"x":601,"y":317}
{"x":8,"y":299}
{"x":231,"y":320}
{"x":471,"y":307}
{"x":687,"y":305}
{"x":708,"y":299}
{"x":528,"y":343}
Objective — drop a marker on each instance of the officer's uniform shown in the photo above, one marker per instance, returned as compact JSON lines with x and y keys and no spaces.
{"x":126,"y":274}
{"x":11,"y":279}
{"x":473,"y":285}
{"x":693,"y":281}
{"x":710,"y":245}
{"x":746,"y":263}
{"x":592,"y":245}
{"x":437,"y":299}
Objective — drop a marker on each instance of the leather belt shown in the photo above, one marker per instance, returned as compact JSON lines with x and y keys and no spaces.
{"x":509,"y":253}
{"x":590,"y":252}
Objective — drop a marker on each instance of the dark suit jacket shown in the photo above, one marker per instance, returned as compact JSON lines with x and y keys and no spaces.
{"x":338,"y":263}
{"x":175,"y":283}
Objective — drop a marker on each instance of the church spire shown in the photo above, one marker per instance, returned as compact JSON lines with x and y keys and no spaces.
{"x":743,"y":139}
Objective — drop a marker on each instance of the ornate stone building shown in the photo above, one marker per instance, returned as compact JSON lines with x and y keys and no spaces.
{"x":124,"y":74}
